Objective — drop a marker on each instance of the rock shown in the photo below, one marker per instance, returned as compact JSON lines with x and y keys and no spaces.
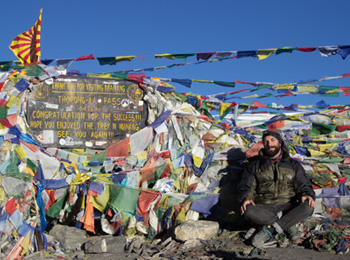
{"x":200,"y":229}
{"x":112,"y":245}
{"x":68,"y":237}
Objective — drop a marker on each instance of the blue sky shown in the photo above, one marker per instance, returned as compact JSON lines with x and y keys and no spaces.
{"x":75,"y":28}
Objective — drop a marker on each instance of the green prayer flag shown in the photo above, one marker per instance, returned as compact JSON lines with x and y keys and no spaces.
{"x":107,"y":60}
{"x":331,"y":160}
{"x":262,"y":87}
{"x":120,"y":76}
{"x":13,"y":171}
{"x":5,"y":65}
{"x":320,"y":129}
{"x":336,"y":94}
{"x":124,"y":198}
{"x":183,"y":56}
{"x":3,"y":112}
{"x":285,"y":49}
{"x":225,"y":83}
{"x":182,"y":98}
{"x":58,"y":206}
{"x":267,"y":95}
{"x":159,"y":171}
{"x":99,"y":157}
{"x":34,"y":70}
{"x":31,"y":165}
{"x":194,"y":197}
{"x":172,"y":201}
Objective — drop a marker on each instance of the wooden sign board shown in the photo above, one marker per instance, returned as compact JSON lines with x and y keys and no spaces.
{"x":72,"y":112}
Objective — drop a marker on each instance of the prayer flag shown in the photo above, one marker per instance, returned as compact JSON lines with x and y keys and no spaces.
{"x":263,"y":54}
{"x":124,"y":58}
{"x":225,"y":108}
{"x":165,"y":55}
{"x":284,"y":49}
{"x":86,"y":57}
{"x":26,"y":46}
{"x":245,"y":54}
{"x":225,"y":83}
{"x":205,"y":55}
{"x":258,"y":104}
{"x":327,"y":51}
{"x":306,"y":49}
{"x":183,"y":56}
{"x":344,"y":51}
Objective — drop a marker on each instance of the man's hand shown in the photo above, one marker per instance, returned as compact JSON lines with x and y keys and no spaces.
{"x":310,"y":199}
{"x":244,"y":205}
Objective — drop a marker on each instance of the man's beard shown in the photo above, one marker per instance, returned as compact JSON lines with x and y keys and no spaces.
{"x":272,"y":152}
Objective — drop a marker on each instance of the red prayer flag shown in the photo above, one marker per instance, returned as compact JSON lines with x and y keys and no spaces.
{"x":86,"y":57}
{"x":119,"y":149}
{"x":306,"y":49}
{"x":243,"y":82}
{"x":137,"y":76}
{"x":258,"y":104}
{"x":11,"y":206}
{"x":288,"y":93}
{"x":234,"y":92}
{"x":205,"y":55}
{"x":346,"y":91}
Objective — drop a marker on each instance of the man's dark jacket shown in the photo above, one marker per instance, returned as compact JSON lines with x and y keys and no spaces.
{"x":266,"y":182}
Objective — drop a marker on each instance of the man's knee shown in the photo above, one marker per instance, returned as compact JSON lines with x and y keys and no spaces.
{"x":250,"y":212}
{"x":307,"y":209}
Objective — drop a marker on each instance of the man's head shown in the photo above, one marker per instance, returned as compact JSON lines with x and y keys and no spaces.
{"x":272,"y":142}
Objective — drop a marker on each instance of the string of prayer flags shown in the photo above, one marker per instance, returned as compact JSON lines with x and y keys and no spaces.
{"x":325,"y":51}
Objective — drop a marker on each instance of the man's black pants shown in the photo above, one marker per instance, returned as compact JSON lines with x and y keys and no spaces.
{"x":292,"y":213}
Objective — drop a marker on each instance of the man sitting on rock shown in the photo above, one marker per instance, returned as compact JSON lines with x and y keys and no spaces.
{"x":271,"y":183}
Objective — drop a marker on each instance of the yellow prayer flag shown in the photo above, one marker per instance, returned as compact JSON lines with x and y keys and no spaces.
{"x":202,"y":81}
{"x":20,"y":152}
{"x":124,"y":58}
{"x":324,"y":147}
{"x":25,"y":243}
{"x":307,"y":88}
{"x":141,"y":156}
{"x":263,"y":54}
{"x":105,"y":75}
{"x":13,"y":100}
{"x":315,"y":153}
{"x":74,"y":158}
{"x":308,"y":106}
{"x":289,"y":86}
{"x":224,"y":107}
{"x":2,"y":194}
{"x":197,"y":161}
{"x":333,"y":91}
{"x":165,"y":55}
{"x":255,"y":95}
{"x":78,"y":151}
{"x":100,"y":202}
{"x":298,"y":139}
{"x":295,"y":118}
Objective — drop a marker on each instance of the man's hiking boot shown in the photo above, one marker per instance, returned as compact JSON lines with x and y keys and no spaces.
{"x":293,"y":233}
{"x":264,"y":235}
